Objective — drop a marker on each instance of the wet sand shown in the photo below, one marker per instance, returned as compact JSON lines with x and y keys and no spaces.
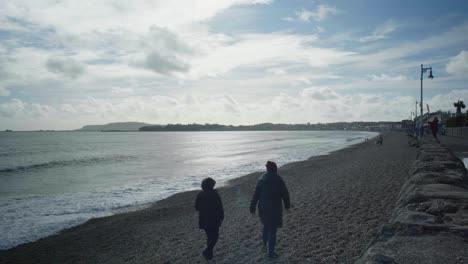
{"x":339,"y":202}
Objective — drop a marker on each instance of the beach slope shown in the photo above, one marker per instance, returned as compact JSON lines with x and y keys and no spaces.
{"x":339,"y":202}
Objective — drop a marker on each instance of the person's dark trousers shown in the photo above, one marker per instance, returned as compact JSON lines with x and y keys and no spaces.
{"x":269,"y":236}
{"x":212,"y":235}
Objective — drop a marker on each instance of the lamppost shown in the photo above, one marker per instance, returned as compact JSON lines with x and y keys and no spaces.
{"x":423,"y":70}
{"x":416,"y":111}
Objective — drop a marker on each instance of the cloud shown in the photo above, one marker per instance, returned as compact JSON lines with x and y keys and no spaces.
{"x":445,"y":101}
{"x":67,"y":109}
{"x":66,"y":67}
{"x":381,"y":32}
{"x":11,"y":108}
{"x":4,"y":73}
{"x":39,"y":110}
{"x":321,"y":94}
{"x":118,"y":91}
{"x":164,"y":52}
{"x":268,"y":50}
{"x":87,"y":16}
{"x":134,"y":53}
{"x":458,"y":65}
{"x":8,"y":24}
{"x":277,"y":71}
{"x":380,"y":59}
{"x":163,"y":63}
{"x":4,"y":91}
{"x":284,"y":101}
{"x":319,"y":29}
{"x":313,"y":104}
{"x":385,"y":77}
{"x":319,"y":14}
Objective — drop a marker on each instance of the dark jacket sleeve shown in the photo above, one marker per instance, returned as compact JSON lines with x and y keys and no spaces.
{"x":220,"y":207}
{"x":285,"y":195}
{"x":255,"y":198}
{"x":197,"y":203}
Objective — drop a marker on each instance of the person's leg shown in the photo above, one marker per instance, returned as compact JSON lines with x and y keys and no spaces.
{"x":265,"y":235}
{"x":272,"y":241}
{"x":208,"y":238}
{"x":212,"y":237}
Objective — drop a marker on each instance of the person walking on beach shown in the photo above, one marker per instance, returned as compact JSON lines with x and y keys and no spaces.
{"x":211,"y":214}
{"x":434,"y":127}
{"x":269,"y":194}
{"x":380,"y":140}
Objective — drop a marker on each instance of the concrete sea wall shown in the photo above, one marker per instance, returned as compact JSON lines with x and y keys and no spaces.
{"x":430,"y":221}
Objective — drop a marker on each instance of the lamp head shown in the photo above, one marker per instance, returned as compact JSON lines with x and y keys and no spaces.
{"x":430,"y":75}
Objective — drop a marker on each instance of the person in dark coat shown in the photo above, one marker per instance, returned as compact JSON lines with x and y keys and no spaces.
{"x":269,"y":194}
{"x":211,"y":214}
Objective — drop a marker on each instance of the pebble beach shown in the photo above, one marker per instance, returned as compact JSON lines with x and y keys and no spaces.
{"x":339,"y":203}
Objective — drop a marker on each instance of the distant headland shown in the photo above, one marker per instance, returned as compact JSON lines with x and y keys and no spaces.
{"x":119,"y":126}
{"x":139,"y":126}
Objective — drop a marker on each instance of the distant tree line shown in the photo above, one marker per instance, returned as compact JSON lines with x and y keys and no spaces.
{"x":263,"y":126}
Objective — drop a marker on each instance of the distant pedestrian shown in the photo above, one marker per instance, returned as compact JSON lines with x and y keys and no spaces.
{"x":211,"y":214}
{"x":269,"y":194}
{"x":434,"y":124}
{"x":380,"y":140}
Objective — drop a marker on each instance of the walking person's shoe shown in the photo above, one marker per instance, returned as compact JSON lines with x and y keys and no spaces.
{"x":273,"y":255}
{"x":207,"y":256}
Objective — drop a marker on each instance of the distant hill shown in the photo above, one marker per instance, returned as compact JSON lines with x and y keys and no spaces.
{"x":359,"y":126}
{"x":120,"y":126}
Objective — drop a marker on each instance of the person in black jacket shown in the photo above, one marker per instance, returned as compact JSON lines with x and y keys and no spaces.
{"x":211,"y":214}
{"x":269,"y":194}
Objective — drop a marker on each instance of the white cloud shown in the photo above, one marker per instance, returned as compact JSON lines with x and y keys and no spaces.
{"x":385,"y":77}
{"x":67,"y":109}
{"x":7,"y":24}
{"x":458,"y":65}
{"x":304,"y":15}
{"x":165,"y":61}
{"x":380,"y":59}
{"x":320,"y":93}
{"x":319,"y":29}
{"x":118,"y":91}
{"x":445,"y":101}
{"x":39,"y":110}
{"x":163,"y":64}
{"x":66,"y":67}
{"x":313,"y":104}
{"x":88,"y":15}
{"x":4,"y":73}
{"x":4,"y":91}
{"x":381,"y":32}
{"x":266,"y":51}
{"x":11,"y":108}
{"x":320,"y":13}
{"x":277,"y":71}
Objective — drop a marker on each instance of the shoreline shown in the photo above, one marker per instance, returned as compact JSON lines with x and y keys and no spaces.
{"x":176,"y":213}
{"x":37,"y":230}
{"x":227,"y":184}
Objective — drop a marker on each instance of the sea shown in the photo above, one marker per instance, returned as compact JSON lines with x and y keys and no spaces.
{"x":50,"y":181}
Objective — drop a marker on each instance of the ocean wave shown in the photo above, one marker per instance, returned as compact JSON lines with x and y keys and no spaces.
{"x":352,"y":139}
{"x":66,"y":163}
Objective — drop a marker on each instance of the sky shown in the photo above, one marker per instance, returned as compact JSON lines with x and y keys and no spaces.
{"x":66,"y":64}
